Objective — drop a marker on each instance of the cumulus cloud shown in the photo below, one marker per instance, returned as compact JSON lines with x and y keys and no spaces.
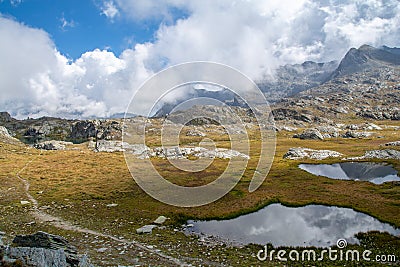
{"x":36,"y":80}
{"x":253,"y":36}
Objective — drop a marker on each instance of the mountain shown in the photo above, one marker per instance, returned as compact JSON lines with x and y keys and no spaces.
{"x":366,"y":85}
{"x":289,"y":80}
{"x":393,"y":50}
{"x":201,"y":96}
{"x":366,"y":57}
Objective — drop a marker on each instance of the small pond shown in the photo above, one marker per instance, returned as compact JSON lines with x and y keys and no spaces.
{"x":312,"y":225}
{"x":360,"y":171}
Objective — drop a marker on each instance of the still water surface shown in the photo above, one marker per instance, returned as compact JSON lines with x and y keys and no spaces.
{"x":360,"y":171}
{"x":312,"y":225}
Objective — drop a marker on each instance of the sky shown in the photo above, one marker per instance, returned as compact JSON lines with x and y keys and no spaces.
{"x":80,"y":59}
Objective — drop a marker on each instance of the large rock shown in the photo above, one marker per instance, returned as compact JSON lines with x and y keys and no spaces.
{"x":100,"y":129}
{"x":301,"y":153}
{"x":52,"y":145}
{"x":83,"y":130}
{"x":328,"y":131}
{"x":106,"y":146}
{"x":47,"y":241}
{"x":354,"y":134}
{"x":37,"y":257}
{"x":291,"y":114}
{"x":312,"y":134}
{"x":139,"y":150}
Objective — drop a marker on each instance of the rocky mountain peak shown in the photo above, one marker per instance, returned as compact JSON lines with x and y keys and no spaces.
{"x":5,"y":117}
{"x":366,"y":57}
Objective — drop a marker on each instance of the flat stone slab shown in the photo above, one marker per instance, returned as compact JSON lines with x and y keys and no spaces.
{"x":146,"y":229}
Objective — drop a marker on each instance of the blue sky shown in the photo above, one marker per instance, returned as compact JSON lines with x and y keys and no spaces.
{"x":78,"y":26}
{"x":71,"y":58}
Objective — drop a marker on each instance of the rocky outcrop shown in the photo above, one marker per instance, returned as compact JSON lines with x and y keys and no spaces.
{"x":395,"y":143}
{"x":83,"y":130}
{"x":5,"y":117}
{"x":311,"y":134}
{"x":6,"y":137}
{"x":286,"y":128}
{"x":195,"y":132}
{"x":142,"y":151}
{"x":354,"y":134}
{"x":100,"y":129}
{"x":379,"y":154}
{"x":107,"y":146}
{"x":200,"y":152}
{"x":291,"y":114}
{"x":386,"y":113}
{"x":301,"y":153}
{"x":43,"y":249}
{"x":36,"y":257}
{"x":329,"y":131}
{"x":52,"y":145}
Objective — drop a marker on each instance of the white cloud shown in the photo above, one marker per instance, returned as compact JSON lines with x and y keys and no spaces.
{"x":65,"y":24}
{"x":36,"y":80}
{"x":109,"y":10}
{"x":252,"y":36}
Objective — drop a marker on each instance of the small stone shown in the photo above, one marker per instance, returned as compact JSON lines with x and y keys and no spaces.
{"x":160,"y":220}
{"x":24,"y":202}
{"x":111,"y":205}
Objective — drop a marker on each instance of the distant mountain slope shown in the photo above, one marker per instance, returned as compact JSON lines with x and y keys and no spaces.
{"x":292,"y":79}
{"x":366,"y":57}
{"x":393,"y":50}
{"x":224,"y":96}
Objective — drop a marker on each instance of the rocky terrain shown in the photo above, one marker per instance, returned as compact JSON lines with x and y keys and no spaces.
{"x":332,"y":112}
{"x":41,"y":249}
{"x":47,"y":128}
